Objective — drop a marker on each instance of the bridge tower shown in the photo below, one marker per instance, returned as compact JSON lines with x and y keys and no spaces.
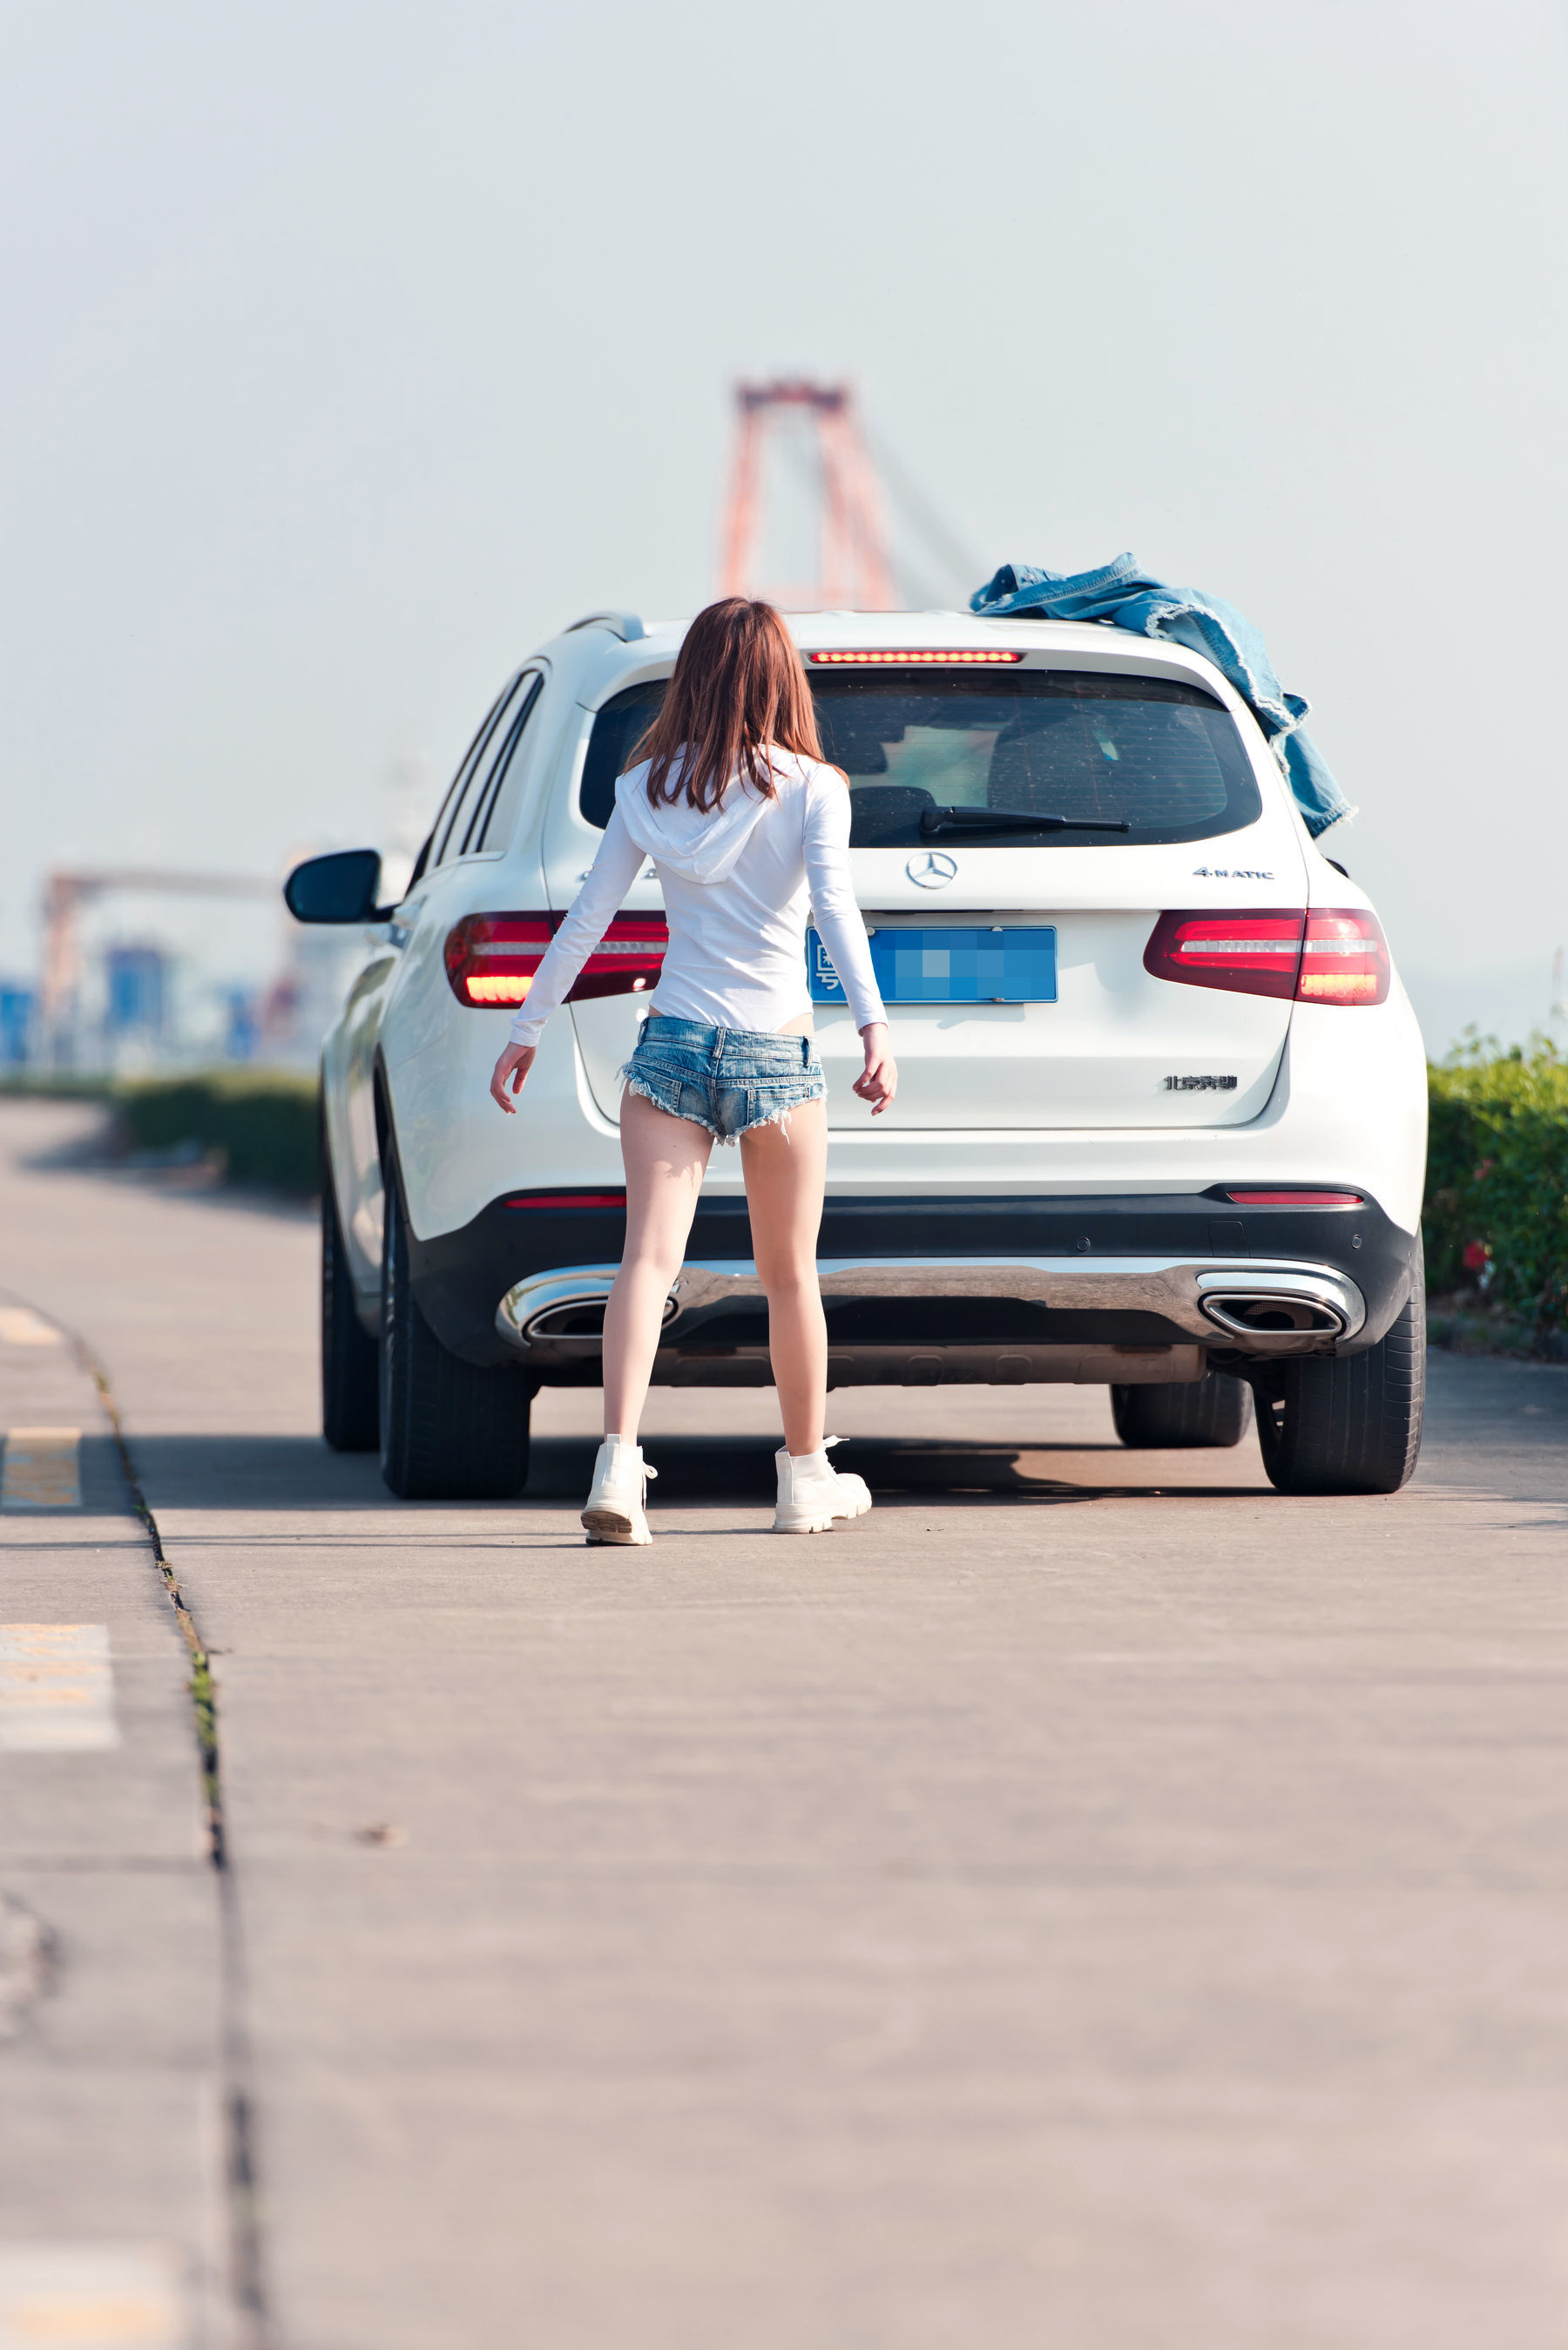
{"x":855,"y":568}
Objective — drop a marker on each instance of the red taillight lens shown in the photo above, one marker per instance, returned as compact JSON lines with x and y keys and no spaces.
{"x":1326,"y":955}
{"x":567,"y":1200}
{"x":491,"y":959}
{"x":1345,"y":959}
{"x":628,"y":959}
{"x":1295,"y":1199}
{"x":1250,"y":954}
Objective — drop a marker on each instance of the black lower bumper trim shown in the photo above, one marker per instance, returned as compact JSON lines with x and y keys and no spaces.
{"x":460,"y":1277}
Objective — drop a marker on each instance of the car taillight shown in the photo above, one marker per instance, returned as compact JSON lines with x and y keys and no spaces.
{"x":1345,"y":959}
{"x":567,"y":1200}
{"x":1325,"y":955}
{"x":1297,"y":1198}
{"x":491,"y":959}
{"x":1250,"y":954}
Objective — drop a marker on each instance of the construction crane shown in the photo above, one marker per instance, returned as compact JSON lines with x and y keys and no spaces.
{"x":66,"y":894}
{"x":855,"y":572}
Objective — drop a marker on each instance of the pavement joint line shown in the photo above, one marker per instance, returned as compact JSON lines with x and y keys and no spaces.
{"x":250,"y":2329}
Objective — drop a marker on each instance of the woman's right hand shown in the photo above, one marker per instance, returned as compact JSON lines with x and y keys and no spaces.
{"x":511,"y":1068}
{"x":878,"y":1081}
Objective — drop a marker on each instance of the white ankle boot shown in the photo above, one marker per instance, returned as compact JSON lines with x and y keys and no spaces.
{"x":812,"y":1493}
{"x":613,"y":1512}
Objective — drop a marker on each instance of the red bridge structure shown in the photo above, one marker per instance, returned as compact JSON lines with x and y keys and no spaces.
{"x":855,"y":565}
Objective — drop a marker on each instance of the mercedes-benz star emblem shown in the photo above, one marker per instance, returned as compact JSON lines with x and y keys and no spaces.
{"x":934,"y":871}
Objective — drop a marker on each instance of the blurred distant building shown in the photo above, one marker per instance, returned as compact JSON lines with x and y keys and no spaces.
{"x":136,"y":991}
{"x":243,"y":1032}
{"x":120,"y":1008}
{"x":129,"y":1004}
{"x":18,"y":1010}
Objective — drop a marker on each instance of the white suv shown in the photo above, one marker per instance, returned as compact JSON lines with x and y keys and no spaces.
{"x":1161,"y":1117}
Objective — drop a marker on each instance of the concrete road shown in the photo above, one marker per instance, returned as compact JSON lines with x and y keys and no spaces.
{"x":1091,"y":1901}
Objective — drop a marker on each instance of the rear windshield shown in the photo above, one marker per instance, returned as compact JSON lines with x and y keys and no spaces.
{"x":952,"y":758}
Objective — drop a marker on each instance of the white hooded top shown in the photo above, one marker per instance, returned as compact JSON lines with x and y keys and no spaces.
{"x":739,"y":885}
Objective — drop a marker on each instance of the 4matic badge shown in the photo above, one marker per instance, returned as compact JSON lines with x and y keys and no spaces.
{"x":1229,"y":873}
{"x":1200,"y":1084}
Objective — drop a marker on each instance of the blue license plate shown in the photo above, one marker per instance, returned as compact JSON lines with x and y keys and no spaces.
{"x":947,"y":966}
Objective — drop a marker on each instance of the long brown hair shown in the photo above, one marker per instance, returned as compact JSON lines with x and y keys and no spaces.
{"x":739,"y":684}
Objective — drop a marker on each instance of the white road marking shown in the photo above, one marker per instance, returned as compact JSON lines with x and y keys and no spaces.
{"x":20,"y":1327}
{"x":57,"y":1695}
{"x":42,"y":1469}
{"x":110,"y":2296}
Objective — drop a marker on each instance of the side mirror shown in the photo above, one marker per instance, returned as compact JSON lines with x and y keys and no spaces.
{"x":336,"y":888}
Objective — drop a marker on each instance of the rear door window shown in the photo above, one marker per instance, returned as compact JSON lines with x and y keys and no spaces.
{"x":935,"y":757}
{"x":494,"y":804}
{"x":452,"y":825}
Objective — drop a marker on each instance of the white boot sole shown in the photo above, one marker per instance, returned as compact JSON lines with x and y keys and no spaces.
{"x":611,"y":1525}
{"x":800,"y":1518}
{"x":815,"y":1518}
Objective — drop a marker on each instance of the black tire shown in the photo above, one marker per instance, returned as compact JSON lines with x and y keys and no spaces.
{"x":1354,"y":1426}
{"x":1208,"y":1411}
{"x":350,"y":1373}
{"x":449,"y":1430}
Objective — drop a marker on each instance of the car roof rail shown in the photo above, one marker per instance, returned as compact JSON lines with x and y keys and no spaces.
{"x":624,"y":625}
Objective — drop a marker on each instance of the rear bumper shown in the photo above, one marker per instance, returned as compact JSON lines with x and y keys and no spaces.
{"x":1089,"y":1288}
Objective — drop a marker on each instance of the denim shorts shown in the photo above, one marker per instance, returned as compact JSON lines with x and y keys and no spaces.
{"x":730,"y":1080}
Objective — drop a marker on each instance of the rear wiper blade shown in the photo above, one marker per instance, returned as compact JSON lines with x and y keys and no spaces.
{"x":975,"y":819}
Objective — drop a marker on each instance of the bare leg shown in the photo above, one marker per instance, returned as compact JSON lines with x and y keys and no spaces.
{"x":665,"y":1157}
{"x":784,"y":1180}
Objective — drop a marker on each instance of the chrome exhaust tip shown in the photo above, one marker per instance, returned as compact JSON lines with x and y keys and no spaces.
{"x":1276,"y":1310}
{"x":565,"y":1306}
{"x":1273,"y":1317}
{"x":578,"y":1317}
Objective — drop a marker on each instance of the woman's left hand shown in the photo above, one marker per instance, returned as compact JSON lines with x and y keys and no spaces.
{"x":878,"y":1081}
{"x":512,"y":1067}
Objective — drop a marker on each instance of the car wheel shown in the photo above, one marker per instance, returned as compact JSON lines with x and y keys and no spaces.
{"x":1352,"y":1426}
{"x":449,"y":1430}
{"x":350,"y":1370}
{"x":1211,"y":1410}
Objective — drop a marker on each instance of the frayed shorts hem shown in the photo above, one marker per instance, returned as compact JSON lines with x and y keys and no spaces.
{"x":649,"y":1090}
{"x":728,"y":1081}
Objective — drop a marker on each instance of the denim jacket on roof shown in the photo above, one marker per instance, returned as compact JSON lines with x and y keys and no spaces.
{"x":1126,"y":597}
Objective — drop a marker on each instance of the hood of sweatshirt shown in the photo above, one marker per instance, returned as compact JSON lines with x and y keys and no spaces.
{"x":697,"y":846}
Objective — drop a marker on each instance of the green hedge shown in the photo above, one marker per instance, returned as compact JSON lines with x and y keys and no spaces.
{"x":1497,"y":1178}
{"x":263,"y":1122}
{"x":55,"y":1084}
